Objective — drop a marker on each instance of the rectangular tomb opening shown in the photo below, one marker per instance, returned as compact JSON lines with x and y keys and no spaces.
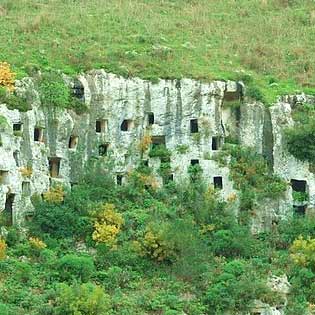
{"x":38,"y":134}
{"x":3,"y":177}
{"x":103,"y":149}
{"x":194,"y":126}
{"x":216,"y":143}
{"x":8,"y":209}
{"x":194,"y":162}
{"x":73,"y":142}
{"x":126,"y":125}
{"x":101,"y":125}
{"x":150,"y":118}
{"x":157,"y":140}
{"x":299,"y":194}
{"x":54,"y":166}
{"x":119,"y":179}
{"x":298,"y":185}
{"x":218,"y":182}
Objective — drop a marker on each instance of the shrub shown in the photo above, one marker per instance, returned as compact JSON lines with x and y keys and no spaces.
{"x":145,"y":143}
{"x":36,"y":246}
{"x":53,"y":90}
{"x":160,"y":151}
{"x":255,"y":93}
{"x":81,"y":300}
{"x":22,"y":271}
{"x":79,"y":106}
{"x":55,"y":93}
{"x":75,"y":267}
{"x":251,"y":175}
{"x":300,"y":142}
{"x":182,"y":148}
{"x":14,"y":236}
{"x":303,"y":252}
{"x":291,"y":229}
{"x":4,"y":310}
{"x":195,"y":172}
{"x":59,"y":221}
{"x":155,"y":243}
{"x":54,"y":195}
{"x":26,"y":171}
{"x":236,"y":242}
{"x":108,"y":225}
{"x":7,"y":77}
{"x":3,"y":248}
{"x":299,"y":138}
{"x":235,"y":289}
{"x":14,"y":101}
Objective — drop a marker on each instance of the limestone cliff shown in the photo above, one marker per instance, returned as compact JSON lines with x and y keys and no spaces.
{"x":46,"y":146}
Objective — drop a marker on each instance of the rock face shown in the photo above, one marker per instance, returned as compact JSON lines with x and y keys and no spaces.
{"x":47,"y":146}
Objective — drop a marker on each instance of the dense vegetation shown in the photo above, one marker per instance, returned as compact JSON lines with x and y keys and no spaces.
{"x":135,"y":249}
{"x":103,"y":249}
{"x":269,"y":40}
{"x":300,"y":137}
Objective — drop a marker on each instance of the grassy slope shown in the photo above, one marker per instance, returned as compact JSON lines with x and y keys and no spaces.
{"x":202,"y":39}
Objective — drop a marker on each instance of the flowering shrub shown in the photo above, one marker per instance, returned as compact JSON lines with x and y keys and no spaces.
{"x":156,"y":245}
{"x":36,"y":243}
{"x":108,"y":225}
{"x":3,"y":248}
{"x":7,"y":77}
{"x":145,"y":142}
{"x":303,"y":252}
{"x":26,"y":171}
{"x":81,"y":299}
{"x":54,"y":195}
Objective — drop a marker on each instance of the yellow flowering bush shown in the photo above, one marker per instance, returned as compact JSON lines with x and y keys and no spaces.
{"x":156,"y":245}
{"x":107,"y":225}
{"x":54,"y":195}
{"x":303,"y":252}
{"x":3,"y":249}
{"x":26,"y":171}
{"x":149,"y":180}
{"x":145,"y":142}
{"x":7,"y":77}
{"x":36,"y":243}
{"x":207,"y":228}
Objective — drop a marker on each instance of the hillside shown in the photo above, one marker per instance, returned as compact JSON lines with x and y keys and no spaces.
{"x":157,"y":157}
{"x":271,"y":40}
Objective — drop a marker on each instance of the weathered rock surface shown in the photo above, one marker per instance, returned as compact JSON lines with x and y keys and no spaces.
{"x":45,"y":146}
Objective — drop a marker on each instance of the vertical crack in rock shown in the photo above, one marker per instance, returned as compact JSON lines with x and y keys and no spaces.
{"x":268,"y":141}
{"x":26,"y":148}
{"x":52,"y":130}
{"x":168,"y":117}
{"x":179,"y":113}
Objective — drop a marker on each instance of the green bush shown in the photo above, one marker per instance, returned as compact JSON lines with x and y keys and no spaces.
{"x":84,"y":299}
{"x":195,"y":172}
{"x":234,"y":289}
{"x":53,"y":90}
{"x":300,"y":137}
{"x":55,"y":93}
{"x":251,"y":175}
{"x":14,"y":101}
{"x":58,"y":221}
{"x":4,"y":309}
{"x":235,"y":242}
{"x":300,"y":142}
{"x":75,"y":267}
{"x":160,"y":151}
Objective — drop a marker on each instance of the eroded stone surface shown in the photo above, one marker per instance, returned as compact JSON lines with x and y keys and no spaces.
{"x":174,"y":103}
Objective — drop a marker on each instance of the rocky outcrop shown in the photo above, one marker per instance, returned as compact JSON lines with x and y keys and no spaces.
{"x":47,"y":146}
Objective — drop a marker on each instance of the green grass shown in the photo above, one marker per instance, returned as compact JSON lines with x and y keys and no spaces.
{"x":272,"y":40}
